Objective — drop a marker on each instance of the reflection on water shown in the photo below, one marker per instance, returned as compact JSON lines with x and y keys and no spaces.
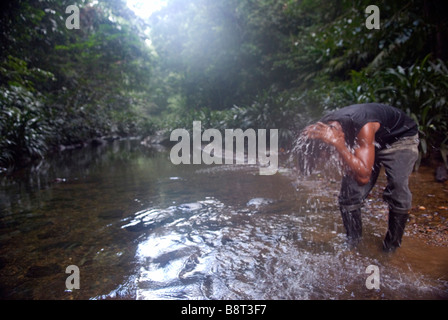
{"x":139,"y":227}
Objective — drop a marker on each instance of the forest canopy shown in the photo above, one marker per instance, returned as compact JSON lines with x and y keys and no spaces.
{"x":228,"y":63}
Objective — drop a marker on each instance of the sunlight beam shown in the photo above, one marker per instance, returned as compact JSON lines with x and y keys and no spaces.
{"x":145,"y":9}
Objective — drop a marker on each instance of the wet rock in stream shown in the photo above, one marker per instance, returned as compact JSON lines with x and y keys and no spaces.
{"x":111,"y":214}
{"x":258,"y":202}
{"x":139,"y":227}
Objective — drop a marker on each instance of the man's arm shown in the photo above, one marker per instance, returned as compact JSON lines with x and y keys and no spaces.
{"x":361,"y":161}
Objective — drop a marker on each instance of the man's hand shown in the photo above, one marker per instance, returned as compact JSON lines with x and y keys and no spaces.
{"x":328,"y":133}
{"x":361,"y":161}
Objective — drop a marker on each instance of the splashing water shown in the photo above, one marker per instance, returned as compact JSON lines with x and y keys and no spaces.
{"x":311,"y":156}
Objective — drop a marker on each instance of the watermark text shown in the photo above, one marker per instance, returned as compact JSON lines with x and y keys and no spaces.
{"x":233,"y":151}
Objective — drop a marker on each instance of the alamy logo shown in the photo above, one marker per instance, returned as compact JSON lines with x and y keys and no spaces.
{"x":213,"y":152}
{"x":373,"y":280}
{"x":373,"y":20}
{"x":72,"y":281}
{"x":72,"y":21}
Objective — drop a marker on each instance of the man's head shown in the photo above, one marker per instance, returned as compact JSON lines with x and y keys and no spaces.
{"x":334,"y":125}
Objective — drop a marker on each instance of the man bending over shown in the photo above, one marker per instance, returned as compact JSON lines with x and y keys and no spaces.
{"x":368,"y":136}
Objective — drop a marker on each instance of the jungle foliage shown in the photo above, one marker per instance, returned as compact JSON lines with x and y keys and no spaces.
{"x":228,"y":63}
{"x":63,"y":86}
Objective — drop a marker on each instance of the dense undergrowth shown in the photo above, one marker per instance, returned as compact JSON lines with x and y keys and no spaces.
{"x":230,"y":64}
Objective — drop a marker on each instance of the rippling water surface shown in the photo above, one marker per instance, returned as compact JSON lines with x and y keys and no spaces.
{"x":139,"y":227}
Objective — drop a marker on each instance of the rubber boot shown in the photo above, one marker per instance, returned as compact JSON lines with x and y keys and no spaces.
{"x":353,"y":225}
{"x":397,"y":223}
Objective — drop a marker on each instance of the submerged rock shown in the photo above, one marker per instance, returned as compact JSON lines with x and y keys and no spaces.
{"x":43,"y":271}
{"x":111,"y":214}
{"x":190,"y":206}
{"x":258,"y":202}
{"x":138,"y":227}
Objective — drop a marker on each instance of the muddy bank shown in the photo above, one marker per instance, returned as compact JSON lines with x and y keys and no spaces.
{"x":429,"y":216}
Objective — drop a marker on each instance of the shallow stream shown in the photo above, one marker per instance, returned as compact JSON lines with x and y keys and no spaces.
{"x":139,"y":227}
